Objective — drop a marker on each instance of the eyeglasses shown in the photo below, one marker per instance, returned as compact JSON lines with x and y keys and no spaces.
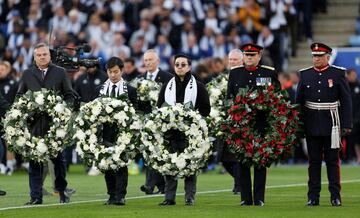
{"x":182,"y":65}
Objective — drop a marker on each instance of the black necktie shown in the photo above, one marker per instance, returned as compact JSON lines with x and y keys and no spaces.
{"x":113,"y":91}
{"x":43,"y":74}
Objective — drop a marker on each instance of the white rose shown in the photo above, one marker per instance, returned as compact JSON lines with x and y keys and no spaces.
{"x":59,"y":108}
{"x":15,"y":113}
{"x":41,"y":147}
{"x":60,"y":133}
{"x":92,"y":139}
{"x":21,"y":141}
{"x":180,"y":163}
{"x":39,"y":99}
{"x":96,"y":110}
{"x":80,"y":135}
{"x":108,"y":109}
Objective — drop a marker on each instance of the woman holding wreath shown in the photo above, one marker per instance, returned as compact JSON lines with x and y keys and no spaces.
{"x":184,"y":89}
{"x":252,"y":75}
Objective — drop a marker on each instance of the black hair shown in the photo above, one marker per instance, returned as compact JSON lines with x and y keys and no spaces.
{"x":183,"y":56}
{"x":114,"y":61}
{"x":131,"y":60}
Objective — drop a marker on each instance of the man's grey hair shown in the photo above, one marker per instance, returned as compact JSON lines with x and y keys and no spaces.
{"x":152,"y":51}
{"x":236,"y":50}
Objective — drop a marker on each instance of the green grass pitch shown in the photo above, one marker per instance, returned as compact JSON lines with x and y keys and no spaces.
{"x":285,"y":197}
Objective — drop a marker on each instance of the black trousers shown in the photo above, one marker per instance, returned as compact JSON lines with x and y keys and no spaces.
{"x":116,"y":183}
{"x":259,"y":184}
{"x":36,"y":176}
{"x":154,"y":178}
{"x":233,"y":168}
{"x":319,"y":148}
{"x":178,"y":145}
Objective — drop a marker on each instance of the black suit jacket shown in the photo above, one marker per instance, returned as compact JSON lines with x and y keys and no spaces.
{"x":326,"y":86}
{"x":162,"y":77}
{"x":56,"y":79}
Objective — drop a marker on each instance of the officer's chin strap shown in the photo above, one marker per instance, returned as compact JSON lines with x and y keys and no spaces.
{"x":334,"y":111}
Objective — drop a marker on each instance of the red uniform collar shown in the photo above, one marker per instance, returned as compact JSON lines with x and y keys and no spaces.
{"x":251,"y":68}
{"x":321,"y":69}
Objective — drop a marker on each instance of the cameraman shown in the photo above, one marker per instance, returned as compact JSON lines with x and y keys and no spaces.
{"x":87,"y":82}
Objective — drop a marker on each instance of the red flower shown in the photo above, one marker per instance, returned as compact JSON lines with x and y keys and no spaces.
{"x":237,"y":99}
{"x":233,"y":130}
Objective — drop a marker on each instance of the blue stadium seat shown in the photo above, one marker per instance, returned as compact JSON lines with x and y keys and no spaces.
{"x":354,"y":41}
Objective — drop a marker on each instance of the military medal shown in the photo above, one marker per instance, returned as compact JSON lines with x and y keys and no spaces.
{"x":330,"y":81}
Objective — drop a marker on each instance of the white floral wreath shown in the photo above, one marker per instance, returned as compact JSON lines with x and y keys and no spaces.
{"x":91,"y":147}
{"x":217,"y":93}
{"x":155,"y":148}
{"x":147,"y":90}
{"x":17,"y":134}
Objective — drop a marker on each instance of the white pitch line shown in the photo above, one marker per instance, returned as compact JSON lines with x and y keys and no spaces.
{"x":154,"y":196}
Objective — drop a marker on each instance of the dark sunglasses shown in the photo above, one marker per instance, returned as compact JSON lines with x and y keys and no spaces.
{"x":182,"y":65}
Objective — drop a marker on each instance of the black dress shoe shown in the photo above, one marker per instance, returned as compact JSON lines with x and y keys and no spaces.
{"x":146,"y":189}
{"x":167,"y":203}
{"x":312,"y":203}
{"x":336,"y":202}
{"x":63,"y":198}
{"x":245,"y":203}
{"x":34,"y":201}
{"x":189,"y":202}
{"x":259,"y":203}
{"x":2,"y":193}
{"x":120,"y":202}
{"x":111,"y":201}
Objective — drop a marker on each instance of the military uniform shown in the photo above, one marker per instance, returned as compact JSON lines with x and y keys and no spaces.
{"x":252,"y":77}
{"x":325,"y":99}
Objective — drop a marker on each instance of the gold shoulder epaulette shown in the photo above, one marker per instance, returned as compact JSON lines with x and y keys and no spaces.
{"x":267,"y":67}
{"x":338,"y":67}
{"x":305,"y":69}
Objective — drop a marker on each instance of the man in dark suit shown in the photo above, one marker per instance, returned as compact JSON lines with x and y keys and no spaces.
{"x":228,"y":159}
{"x":44,"y":74}
{"x":153,"y":72}
{"x":178,"y":143}
{"x":254,"y":76}
{"x":130,"y":70}
{"x":115,"y":86}
{"x":325,"y":99}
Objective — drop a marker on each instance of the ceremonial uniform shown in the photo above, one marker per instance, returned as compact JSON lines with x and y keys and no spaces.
{"x":153,"y":178}
{"x":325,"y":100}
{"x":252,"y":77}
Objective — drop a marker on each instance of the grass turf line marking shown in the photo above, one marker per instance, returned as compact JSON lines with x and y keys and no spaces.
{"x":179,"y":194}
